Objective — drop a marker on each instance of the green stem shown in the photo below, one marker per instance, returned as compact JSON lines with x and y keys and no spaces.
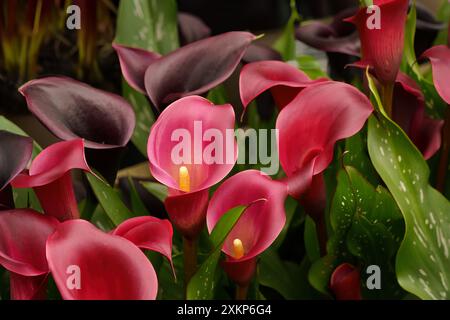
{"x":190,"y":259}
{"x":443,"y":162}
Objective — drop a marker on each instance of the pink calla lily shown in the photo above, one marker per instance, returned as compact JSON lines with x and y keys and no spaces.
{"x":50,"y":176}
{"x":382,"y":46}
{"x":259,"y":225}
{"x":346,"y":282}
{"x":283,"y":80}
{"x":186,"y":207}
{"x":23,"y":234}
{"x":109,"y":267}
{"x":440,"y":61}
{"x":148,"y":233}
{"x":327,"y":112}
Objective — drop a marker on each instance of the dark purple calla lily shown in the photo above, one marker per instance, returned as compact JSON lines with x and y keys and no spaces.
{"x":134,"y":62}
{"x":191,"y":70}
{"x":73,"y":110}
{"x":15,"y":153}
{"x":260,"y":52}
{"x":338,"y":36}
{"x":191,"y":28}
{"x":409,"y":112}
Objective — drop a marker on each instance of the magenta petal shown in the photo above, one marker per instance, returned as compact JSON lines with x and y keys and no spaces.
{"x":195,"y":68}
{"x":440,"y":61}
{"x":72,"y":109}
{"x":259,"y":77}
{"x":23,"y":234}
{"x":191,"y":28}
{"x":262,"y":222}
{"x":111,"y":267}
{"x":148,"y":233}
{"x":28,"y":288}
{"x":313,"y":122}
{"x":134,"y":62}
{"x":184,"y":114}
{"x":15,"y":153}
{"x":53,"y":163}
{"x":187,"y":211}
{"x":382,"y":48}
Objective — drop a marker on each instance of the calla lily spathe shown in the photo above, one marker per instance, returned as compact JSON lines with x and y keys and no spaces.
{"x":50,"y":177}
{"x":259,"y":225}
{"x":186,"y":205}
{"x":346,"y":282}
{"x":108,"y":266}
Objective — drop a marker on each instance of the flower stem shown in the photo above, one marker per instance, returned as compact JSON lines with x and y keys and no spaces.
{"x":387,"y":96}
{"x":241,"y":292}
{"x":321,"y":230}
{"x":190,"y":259}
{"x":443,"y":162}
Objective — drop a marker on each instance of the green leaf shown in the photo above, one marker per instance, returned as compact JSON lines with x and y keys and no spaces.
{"x":137,"y":205}
{"x":285,"y":45}
{"x":150,"y":25}
{"x":423,"y":257}
{"x":159,"y":190}
{"x":367,"y":229}
{"x":409,"y":62}
{"x":109,"y":200}
{"x":311,"y":67}
{"x":203,"y":283}
{"x":9,"y":126}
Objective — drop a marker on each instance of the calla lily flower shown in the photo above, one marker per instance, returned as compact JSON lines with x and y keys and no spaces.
{"x":32,"y":245}
{"x":73,"y":110}
{"x":15,"y":153}
{"x":110,"y":266}
{"x":23,"y":234}
{"x":382,"y":45}
{"x":191,"y":28}
{"x":50,"y":177}
{"x":261,"y":52}
{"x":189,"y":120}
{"x":409,"y":112}
{"x":259,"y":225}
{"x":338,"y":36}
{"x":191,"y":70}
{"x":283,"y":80}
{"x":440,"y":61}
{"x":327,"y":112}
{"x":346,"y":283}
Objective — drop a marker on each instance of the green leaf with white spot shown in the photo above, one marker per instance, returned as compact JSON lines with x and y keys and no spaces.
{"x":423,"y":259}
{"x":366,"y":229}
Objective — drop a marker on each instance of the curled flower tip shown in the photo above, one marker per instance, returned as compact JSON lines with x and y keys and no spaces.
{"x":185,"y":181}
{"x":238,"y":249}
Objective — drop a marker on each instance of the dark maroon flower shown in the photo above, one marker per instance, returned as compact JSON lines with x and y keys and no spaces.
{"x":15,"y":153}
{"x":346,"y":283}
